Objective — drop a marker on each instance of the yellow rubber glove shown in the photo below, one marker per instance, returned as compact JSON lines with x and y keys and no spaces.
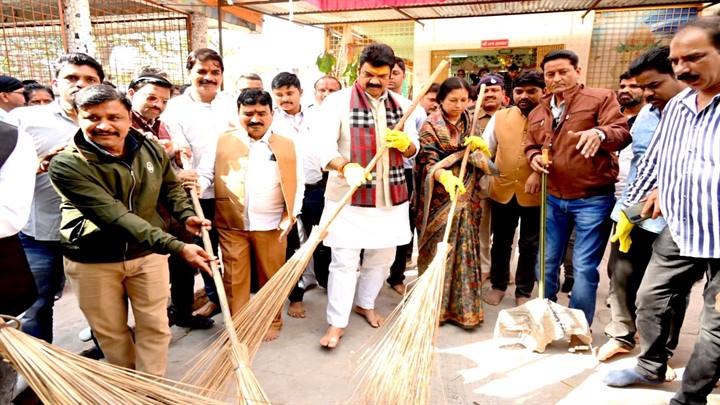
{"x":622,"y":233}
{"x":397,"y":139}
{"x":475,"y":142}
{"x":453,"y":185}
{"x":355,"y":174}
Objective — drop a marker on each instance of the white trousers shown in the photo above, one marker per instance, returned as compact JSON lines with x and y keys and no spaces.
{"x":344,"y":277}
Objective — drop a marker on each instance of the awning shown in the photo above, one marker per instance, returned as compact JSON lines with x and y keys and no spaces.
{"x":318,"y":12}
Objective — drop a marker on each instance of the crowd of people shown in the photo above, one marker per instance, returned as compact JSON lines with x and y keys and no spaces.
{"x":96,"y":186}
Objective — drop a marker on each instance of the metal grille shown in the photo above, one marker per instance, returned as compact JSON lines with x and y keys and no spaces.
{"x":345,"y":42}
{"x":620,"y":36}
{"x":130,"y":34}
{"x":30,"y":38}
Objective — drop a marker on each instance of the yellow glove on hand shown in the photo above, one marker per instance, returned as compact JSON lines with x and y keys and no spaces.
{"x":397,"y":139}
{"x":355,"y":174}
{"x":622,"y":233}
{"x":475,"y":142}
{"x":453,"y":185}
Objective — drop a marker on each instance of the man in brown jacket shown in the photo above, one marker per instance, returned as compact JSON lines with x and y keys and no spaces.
{"x":514,"y":194}
{"x":259,"y":185}
{"x":583,"y":129}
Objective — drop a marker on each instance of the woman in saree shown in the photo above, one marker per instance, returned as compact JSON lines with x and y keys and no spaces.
{"x":443,"y":138}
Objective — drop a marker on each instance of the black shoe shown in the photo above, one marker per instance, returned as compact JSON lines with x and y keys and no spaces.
{"x":194,"y":322}
{"x":93,"y":353}
{"x":567,"y":285}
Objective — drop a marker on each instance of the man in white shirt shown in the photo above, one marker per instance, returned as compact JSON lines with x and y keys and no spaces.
{"x":258,"y":181}
{"x":403,"y":253}
{"x":17,"y":288}
{"x":196,"y":118}
{"x":292,"y":120}
{"x":354,"y":126}
{"x":323,"y":87}
{"x":50,"y":127}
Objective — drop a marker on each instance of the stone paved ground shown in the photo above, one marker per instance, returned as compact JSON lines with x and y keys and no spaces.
{"x":470,"y":366}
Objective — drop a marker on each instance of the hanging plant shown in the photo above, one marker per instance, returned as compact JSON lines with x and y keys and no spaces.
{"x":325,"y":63}
{"x":351,"y":71}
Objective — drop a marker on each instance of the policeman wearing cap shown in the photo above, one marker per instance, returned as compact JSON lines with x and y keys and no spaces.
{"x":11,"y":96}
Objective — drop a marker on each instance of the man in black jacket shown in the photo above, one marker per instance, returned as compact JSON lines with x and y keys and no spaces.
{"x":111,"y":180}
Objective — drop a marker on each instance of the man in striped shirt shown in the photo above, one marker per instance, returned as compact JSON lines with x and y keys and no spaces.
{"x":681,"y":172}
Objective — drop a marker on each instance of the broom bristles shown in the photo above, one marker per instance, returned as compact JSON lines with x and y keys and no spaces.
{"x":212,"y":369}
{"x":61,"y":377}
{"x":396,"y":366}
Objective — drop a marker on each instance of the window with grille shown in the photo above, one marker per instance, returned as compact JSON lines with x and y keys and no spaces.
{"x":620,"y":36}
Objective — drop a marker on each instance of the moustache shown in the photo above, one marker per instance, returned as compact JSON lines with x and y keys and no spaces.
{"x":255,"y":124}
{"x":688,"y":77}
{"x":373,"y":86}
{"x":104,"y":133}
{"x":208,"y":82}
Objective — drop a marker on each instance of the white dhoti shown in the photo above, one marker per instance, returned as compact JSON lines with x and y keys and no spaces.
{"x":377,"y":231}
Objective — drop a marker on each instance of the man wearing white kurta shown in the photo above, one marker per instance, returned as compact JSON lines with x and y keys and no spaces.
{"x":353,"y":125}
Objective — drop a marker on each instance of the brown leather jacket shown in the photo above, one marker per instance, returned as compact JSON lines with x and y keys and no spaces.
{"x":572,"y":175}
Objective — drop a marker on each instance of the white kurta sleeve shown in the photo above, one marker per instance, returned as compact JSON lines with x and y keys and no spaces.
{"x":17,"y":185}
{"x":327,"y":128}
{"x":300,"y":192}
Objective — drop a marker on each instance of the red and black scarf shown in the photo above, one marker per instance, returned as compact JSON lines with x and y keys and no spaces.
{"x":363,"y":147}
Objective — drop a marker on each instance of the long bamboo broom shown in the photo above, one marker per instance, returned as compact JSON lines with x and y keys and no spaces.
{"x":397,"y":365}
{"x":211,"y":370}
{"x":60,"y":377}
{"x":247,"y":386}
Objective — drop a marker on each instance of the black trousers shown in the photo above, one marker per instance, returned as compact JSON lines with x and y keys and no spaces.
{"x":313,"y":205}
{"x":628,"y":270}
{"x":208,"y":206}
{"x":397,"y":269}
{"x":504,"y":220}
{"x":664,"y":290}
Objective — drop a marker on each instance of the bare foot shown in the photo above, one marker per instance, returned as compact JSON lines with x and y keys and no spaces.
{"x":372,"y":317}
{"x":399,"y":288}
{"x":272,"y":334}
{"x":296,"y":310}
{"x":332,"y":337}
{"x":493,"y":297}
{"x":577,"y":345}
{"x":670,"y":374}
{"x":610,"y":349}
{"x":207,"y":310}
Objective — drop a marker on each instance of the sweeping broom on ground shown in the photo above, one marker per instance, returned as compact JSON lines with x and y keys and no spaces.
{"x":211,"y":369}
{"x":60,"y":377}
{"x":397,"y":365}
{"x":540,"y":321}
{"x":247,"y":386}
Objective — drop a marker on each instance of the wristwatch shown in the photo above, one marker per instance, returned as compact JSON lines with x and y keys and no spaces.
{"x":600,"y":134}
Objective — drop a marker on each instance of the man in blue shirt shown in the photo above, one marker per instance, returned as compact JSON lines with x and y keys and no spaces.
{"x":629,"y":262}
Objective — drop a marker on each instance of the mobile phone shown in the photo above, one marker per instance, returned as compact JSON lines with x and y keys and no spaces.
{"x":634,"y":213}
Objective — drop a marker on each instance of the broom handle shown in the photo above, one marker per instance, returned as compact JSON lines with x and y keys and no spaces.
{"x":235,"y":345}
{"x":543,"y":218}
{"x":399,"y":126}
{"x":463,"y":165}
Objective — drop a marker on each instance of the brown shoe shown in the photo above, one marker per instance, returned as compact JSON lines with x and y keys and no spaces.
{"x":493,"y":297}
{"x":521,"y":300}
